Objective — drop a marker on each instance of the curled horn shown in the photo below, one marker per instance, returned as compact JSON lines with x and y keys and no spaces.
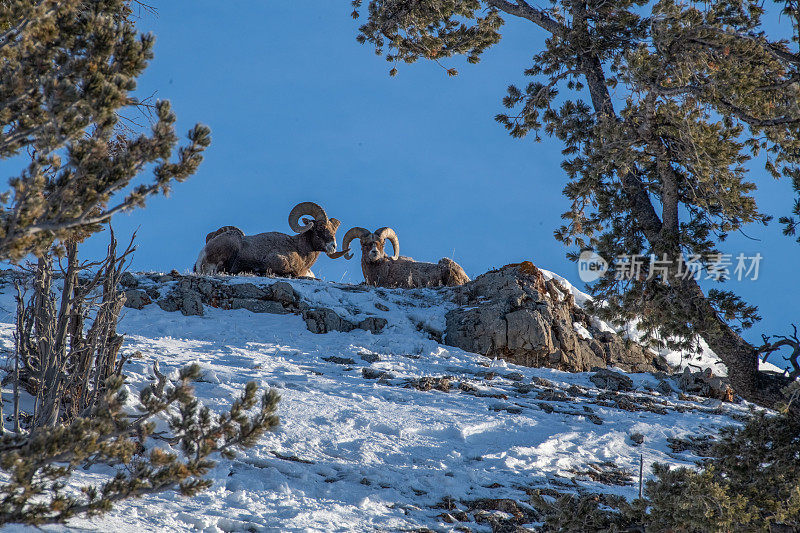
{"x":306,"y":208}
{"x":388,"y":233}
{"x":337,"y":255}
{"x":352,"y":233}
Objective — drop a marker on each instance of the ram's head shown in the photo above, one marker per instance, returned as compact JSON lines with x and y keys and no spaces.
{"x":373,"y":244}
{"x":320,"y":229}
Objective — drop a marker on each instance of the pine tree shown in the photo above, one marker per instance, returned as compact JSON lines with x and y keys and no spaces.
{"x":699,"y":90}
{"x":750,"y":481}
{"x":41,"y":464}
{"x":68,"y":69}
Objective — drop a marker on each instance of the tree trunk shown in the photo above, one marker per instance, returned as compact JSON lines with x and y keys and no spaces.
{"x":739,"y":356}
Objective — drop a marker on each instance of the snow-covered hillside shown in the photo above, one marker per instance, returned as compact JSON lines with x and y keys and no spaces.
{"x":364,"y":446}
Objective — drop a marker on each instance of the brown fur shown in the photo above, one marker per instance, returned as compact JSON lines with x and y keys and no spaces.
{"x":223,"y":229}
{"x":272,"y":253}
{"x":404,"y":272}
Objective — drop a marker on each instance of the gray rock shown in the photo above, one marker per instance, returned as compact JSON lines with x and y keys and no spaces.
{"x":128,"y":280}
{"x":514,"y":313}
{"x":542,"y":382}
{"x":247,"y":290}
{"x":192,"y":304}
{"x":636,"y":438}
{"x":187,"y":302}
{"x":136,"y":299}
{"x":371,"y":373}
{"x":524,"y":388}
{"x":610,"y":380}
{"x":191,"y":292}
{"x":373,"y":324}
{"x":339,"y":360}
{"x":370,"y":357}
{"x":258,"y":306}
{"x":323,"y":320}
{"x":284,"y":293}
{"x":170,"y":305}
{"x":664,"y":388}
{"x":207,"y":288}
{"x":153,"y":293}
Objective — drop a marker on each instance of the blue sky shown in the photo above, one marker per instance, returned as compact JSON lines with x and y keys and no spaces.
{"x":300,"y":111}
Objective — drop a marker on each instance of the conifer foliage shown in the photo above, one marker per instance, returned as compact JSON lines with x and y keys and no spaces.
{"x":68,"y":69}
{"x":660,"y":107}
{"x":40,"y":464}
{"x":68,"y":361}
{"x":67,"y":72}
{"x":751,"y":482}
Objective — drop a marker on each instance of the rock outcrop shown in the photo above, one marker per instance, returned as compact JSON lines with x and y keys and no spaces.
{"x":516,"y":314}
{"x":610,"y":380}
{"x":189,"y":295}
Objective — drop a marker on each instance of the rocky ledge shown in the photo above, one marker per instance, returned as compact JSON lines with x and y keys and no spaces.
{"x":188,"y":294}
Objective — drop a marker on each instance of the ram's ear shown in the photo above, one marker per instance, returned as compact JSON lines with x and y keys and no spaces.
{"x":335,"y":222}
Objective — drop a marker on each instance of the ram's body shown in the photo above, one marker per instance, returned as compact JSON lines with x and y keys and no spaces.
{"x":265,"y":254}
{"x":399,"y":271}
{"x":272,"y":253}
{"x":404,"y":272}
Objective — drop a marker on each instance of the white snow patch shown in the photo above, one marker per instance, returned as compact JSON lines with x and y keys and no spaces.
{"x":581,"y":331}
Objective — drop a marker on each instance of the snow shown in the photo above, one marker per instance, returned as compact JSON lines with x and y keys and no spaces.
{"x":375,"y":454}
{"x":581,"y":331}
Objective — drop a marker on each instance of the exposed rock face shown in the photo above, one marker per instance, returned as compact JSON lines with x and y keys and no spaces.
{"x":186,"y":301}
{"x":322,"y":320}
{"x":258,"y":306}
{"x":191,"y":293}
{"x":128,"y":280}
{"x":514,"y":313}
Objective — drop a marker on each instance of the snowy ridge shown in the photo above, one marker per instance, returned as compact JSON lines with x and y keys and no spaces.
{"x":360,"y":449}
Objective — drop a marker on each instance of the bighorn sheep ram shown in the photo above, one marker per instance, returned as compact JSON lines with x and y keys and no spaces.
{"x":397,"y":271}
{"x":229,"y":250}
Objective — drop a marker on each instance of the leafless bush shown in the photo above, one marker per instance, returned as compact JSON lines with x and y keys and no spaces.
{"x":67,"y":345}
{"x":68,"y":358}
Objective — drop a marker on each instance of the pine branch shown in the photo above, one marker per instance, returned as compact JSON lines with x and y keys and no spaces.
{"x":524,"y":10}
{"x":109,"y":436}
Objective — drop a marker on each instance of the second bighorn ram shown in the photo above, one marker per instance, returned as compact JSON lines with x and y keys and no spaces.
{"x":398,"y":271}
{"x":229,"y":250}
